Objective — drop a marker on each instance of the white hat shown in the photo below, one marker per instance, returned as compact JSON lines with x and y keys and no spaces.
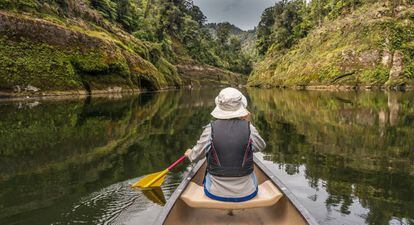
{"x":230,"y":103}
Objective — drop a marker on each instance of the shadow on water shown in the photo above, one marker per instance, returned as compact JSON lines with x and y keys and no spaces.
{"x":347,"y":156}
{"x":156,"y":195}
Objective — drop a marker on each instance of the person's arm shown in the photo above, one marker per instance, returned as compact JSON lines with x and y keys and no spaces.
{"x":258,"y":143}
{"x":200,"y":149}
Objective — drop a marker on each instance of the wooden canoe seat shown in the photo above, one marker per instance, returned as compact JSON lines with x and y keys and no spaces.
{"x":267,"y":195}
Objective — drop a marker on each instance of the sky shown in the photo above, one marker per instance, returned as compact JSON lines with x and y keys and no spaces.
{"x":243,"y":13}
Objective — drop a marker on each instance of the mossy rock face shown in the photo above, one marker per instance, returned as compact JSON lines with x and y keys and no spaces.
{"x":51,"y":57}
{"x":42,"y":66}
{"x":48,"y":68}
{"x":81,"y":51}
{"x":355,"y":50}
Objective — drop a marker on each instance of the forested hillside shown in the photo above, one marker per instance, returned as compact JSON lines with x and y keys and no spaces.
{"x":111,"y":45}
{"x":240,"y":52}
{"x":351,"y":43}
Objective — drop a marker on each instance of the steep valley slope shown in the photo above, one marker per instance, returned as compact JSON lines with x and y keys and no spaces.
{"x":369,"y":47}
{"x":82,"y":46}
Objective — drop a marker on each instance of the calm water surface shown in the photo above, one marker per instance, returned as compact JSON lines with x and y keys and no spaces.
{"x":348,"y":157}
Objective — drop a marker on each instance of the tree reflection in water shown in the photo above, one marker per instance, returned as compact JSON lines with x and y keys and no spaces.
{"x":359,"y":145}
{"x":73,"y":160}
{"x":54,"y":154}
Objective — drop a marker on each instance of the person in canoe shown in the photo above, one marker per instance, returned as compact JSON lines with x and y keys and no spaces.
{"x":228,"y":144}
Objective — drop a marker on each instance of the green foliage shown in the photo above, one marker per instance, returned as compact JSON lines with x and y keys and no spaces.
{"x":332,"y":42}
{"x":290,"y":20}
{"x":141,"y":41}
{"x":197,"y":15}
{"x":377,"y":75}
{"x":129,"y":15}
{"x":107,"y":7}
{"x":146,"y":31}
{"x":281,"y":26}
{"x":223,"y":32}
{"x":21,"y":4}
{"x":264,"y":30}
{"x":184,"y":21}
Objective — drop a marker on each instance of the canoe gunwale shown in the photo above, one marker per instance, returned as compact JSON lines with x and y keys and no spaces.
{"x":285,"y":190}
{"x":174,"y":197}
{"x":289,"y":195}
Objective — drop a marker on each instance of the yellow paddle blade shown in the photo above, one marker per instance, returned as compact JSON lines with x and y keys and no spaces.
{"x":155,"y":195}
{"x":151,"y":181}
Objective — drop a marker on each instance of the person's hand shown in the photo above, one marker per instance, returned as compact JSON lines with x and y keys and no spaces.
{"x":246,"y":117}
{"x":187,"y":153}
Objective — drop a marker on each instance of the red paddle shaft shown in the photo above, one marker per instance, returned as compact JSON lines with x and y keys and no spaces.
{"x":181,"y":159}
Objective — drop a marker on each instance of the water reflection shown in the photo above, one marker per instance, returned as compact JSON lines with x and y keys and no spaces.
{"x":156,"y":195}
{"x":57,"y":153}
{"x":348,"y":157}
{"x":357,"y":147}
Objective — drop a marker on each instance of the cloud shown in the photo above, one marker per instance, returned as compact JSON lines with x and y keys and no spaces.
{"x":243,"y":13}
{"x":231,"y":4}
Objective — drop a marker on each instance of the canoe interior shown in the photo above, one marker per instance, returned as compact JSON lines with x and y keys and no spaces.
{"x":282,"y":213}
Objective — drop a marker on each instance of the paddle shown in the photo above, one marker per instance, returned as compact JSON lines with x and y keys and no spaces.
{"x":156,"y":179}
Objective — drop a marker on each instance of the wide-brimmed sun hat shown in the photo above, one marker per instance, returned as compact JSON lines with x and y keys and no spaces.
{"x":230,"y":103}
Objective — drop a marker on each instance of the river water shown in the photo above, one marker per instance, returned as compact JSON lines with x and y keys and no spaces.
{"x":347,"y":156}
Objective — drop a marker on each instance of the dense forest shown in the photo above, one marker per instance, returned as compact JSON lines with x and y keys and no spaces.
{"x":114,"y":44}
{"x":61,"y":46}
{"x":336,"y":42}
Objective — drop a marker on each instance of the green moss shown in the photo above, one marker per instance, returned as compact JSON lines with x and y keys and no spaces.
{"x":169,"y":71}
{"x":49,"y":68}
{"x":42,"y":66}
{"x":90,"y":63}
{"x":46,"y":67}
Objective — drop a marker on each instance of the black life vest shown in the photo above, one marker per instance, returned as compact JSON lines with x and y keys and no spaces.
{"x":230,"y":153}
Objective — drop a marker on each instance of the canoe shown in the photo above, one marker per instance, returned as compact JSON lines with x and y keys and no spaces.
{"x":274,"y":203}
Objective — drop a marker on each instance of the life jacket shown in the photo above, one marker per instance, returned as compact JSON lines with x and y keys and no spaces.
{"x":230,"y":153}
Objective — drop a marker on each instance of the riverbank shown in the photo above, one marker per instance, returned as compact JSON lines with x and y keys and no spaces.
{"x":110,"y":93}
{"x":342,"y":87}
{"x":65,"y":94}
{"x":117,"y":92}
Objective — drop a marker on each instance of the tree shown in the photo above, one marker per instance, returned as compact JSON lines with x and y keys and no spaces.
{"x":264,"y":30}
{"x":128,"y":15}
{"x":235,"y":44}
{"x":198,"y":15}
{"x":171,"y":19}
{"x":223,"y":31}
{"x":106,"y":7}
{"x":147,"y":8}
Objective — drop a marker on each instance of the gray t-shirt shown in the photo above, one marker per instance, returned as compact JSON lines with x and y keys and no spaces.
{"x":228,"y":187}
